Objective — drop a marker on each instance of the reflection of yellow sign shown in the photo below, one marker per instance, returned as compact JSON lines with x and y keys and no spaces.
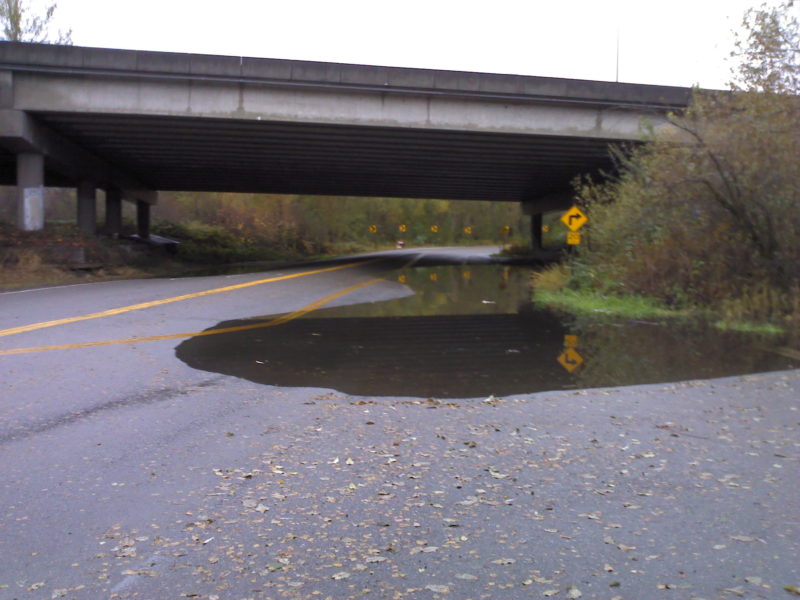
{"x":402,"y":279}
{"x":545,"y":228}
{"x":573,"y":238}
{"x":570,"y":359}
{"x":570,"y":341}
{"x":433,"y":277}
{"x":574,"y":218}
{"x":506,"y":230}
{"x":402,"y":228}
{"x":373,"y":229}
{"x":434,"y":229}
{"x":467,"y":275}
{"x":468,"y":230}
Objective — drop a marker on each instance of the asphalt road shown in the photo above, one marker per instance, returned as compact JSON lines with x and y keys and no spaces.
{"x":127,"y":474}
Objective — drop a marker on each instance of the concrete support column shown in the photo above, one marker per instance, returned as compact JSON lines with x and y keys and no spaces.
{"x":114,"y":212}
{"x":30,"y":192}
{"x":537,"y":234}
{"x":143,"y":219}
{"x":87,"y":208}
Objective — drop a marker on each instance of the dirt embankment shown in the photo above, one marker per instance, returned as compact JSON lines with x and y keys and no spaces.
{"x":62,"y":256}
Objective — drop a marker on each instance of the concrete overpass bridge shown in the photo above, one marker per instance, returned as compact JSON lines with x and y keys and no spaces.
{"x":134,"y":123}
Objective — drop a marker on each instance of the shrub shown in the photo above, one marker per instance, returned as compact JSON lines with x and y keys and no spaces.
{"x":708,"y":212}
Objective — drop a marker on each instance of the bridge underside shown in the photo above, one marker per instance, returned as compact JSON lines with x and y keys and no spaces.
{"x":202,"y":154}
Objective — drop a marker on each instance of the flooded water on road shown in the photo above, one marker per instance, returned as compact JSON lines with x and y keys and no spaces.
{"x":470,"y":331}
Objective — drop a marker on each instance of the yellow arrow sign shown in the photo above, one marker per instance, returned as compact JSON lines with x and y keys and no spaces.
{"x":570,"y":359}
{"x":574,"y":218}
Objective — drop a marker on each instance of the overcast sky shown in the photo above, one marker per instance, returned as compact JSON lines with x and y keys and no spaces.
{"x":681,"y":42}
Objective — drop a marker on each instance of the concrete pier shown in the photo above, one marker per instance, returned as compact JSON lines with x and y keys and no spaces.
{"x":87,"y":207}
{"x":30,"y":189}
{"x":143,"y":219}
{"x":113,"y":212}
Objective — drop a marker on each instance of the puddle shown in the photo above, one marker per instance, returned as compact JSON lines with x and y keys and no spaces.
{"x":464,"y":332}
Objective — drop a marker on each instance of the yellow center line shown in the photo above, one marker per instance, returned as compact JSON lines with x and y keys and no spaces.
{"x":153,"y":338}
{"x":124,"y":309}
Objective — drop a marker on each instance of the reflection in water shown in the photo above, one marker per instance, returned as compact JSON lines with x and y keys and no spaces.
{"x":468,"y":331}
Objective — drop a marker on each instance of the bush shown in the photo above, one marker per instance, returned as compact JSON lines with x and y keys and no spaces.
{"x":708,"y":213}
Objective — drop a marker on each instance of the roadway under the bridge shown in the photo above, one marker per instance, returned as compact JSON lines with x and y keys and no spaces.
{"x":137,"y":122}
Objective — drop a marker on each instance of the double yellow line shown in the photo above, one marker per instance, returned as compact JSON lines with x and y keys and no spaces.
{"x":116,"y":311}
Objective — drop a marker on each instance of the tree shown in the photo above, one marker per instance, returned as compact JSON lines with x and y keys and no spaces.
{"x":709,"y":214}
{"x":770,"y":50}
{"x":19,"y":25}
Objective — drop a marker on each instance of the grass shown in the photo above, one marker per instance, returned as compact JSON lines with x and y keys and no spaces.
{"x":750,"y":327}
{"x":550,"y":290}
{"x":594,"y":304}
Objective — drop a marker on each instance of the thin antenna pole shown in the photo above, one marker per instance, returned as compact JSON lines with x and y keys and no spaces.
{"x":617,"y":74}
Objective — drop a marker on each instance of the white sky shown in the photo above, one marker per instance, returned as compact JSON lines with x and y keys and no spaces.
{"x":681,"y":42}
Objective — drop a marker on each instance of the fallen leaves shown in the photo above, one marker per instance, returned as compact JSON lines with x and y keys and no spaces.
{"x":375,"y":559}
{"x":497,"y":474}
{"x":536,"y":579}
{"x":746,"y":538}
{"x":368,"y":525}
{"x":61,"y":592}
{"x":126,"y":548}
{"x":426,"y":549}
{"x":573,"y":593}
{"x":145,"y":572}
{"x":792,"y":589}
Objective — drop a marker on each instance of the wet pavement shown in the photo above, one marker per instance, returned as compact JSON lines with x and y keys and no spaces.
{"x":127,"y":473}
{"x":679,"y":490}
